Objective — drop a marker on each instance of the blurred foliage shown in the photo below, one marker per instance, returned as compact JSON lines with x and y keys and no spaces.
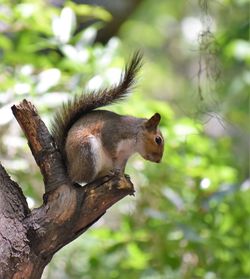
{"x":189,"y":218}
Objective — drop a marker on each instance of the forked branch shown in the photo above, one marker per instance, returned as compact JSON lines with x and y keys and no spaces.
{"x":67,"y":211}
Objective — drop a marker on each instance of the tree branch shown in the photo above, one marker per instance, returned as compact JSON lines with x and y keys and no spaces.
{"x":12,"y":197}
{"x":68,"y":209}
{"x":13,"y":210}
{"x":41,"y":144}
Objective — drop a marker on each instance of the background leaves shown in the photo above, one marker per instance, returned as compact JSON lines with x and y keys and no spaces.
{"x":189,"y":218}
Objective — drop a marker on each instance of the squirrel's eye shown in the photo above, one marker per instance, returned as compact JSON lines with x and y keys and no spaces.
{"x":158,"y":140}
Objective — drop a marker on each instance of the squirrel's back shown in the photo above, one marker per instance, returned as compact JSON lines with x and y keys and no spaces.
{"x":70,"y":112}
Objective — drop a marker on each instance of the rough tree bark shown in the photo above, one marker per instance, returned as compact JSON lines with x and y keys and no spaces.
{"x":29,"y":239}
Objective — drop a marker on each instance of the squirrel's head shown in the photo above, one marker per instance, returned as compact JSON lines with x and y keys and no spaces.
{"x":152,"y":145}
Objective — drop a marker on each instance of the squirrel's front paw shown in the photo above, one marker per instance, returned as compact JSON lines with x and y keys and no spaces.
{"x":119,"y":172}
{"x":115,"y":172}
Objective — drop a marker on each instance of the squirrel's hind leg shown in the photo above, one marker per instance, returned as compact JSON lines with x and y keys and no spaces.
{"x":81,"y":161}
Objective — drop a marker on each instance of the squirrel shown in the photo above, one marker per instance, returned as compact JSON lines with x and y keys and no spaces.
{"x":95,"y":143}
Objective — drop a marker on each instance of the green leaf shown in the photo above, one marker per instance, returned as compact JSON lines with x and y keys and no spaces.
{"x":90,"y":11}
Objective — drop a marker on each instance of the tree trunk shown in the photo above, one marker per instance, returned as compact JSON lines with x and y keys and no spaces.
{"x":29,"y":239}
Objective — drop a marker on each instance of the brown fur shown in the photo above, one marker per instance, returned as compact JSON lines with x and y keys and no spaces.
{"x":102,"y":141}
{"x":81,"y":105}
{"x":95,"y":142}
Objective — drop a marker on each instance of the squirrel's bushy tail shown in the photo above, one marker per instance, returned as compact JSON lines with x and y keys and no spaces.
{"x":70,"y":112}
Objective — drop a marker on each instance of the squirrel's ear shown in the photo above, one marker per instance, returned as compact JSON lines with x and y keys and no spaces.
{"x":153,"y":122}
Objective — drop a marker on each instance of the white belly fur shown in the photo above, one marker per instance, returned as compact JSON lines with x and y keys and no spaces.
{"x":102,"y":162}
{"x":125,"y":149}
